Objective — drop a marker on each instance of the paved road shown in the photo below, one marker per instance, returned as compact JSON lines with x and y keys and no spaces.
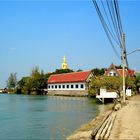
{"x":127,"y":122}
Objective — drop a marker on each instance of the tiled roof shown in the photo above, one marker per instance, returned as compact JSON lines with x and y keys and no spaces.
{"x":130,"y":73}
{"x":127,"y":72}
{"x":120,"y":71}
{"x":69,"y":77}
{"x":110,"y":68}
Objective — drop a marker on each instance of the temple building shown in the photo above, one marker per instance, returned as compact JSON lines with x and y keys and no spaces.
{"x":69,"y":84}
{"x":64,"y":63}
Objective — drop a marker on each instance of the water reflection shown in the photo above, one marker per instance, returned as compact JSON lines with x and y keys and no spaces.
{"x":44,"y":117}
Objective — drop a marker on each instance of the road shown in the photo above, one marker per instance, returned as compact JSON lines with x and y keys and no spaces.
{"x":127,"y":122}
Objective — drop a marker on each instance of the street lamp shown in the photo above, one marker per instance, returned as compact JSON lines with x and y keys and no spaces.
{"x":133,"y":51}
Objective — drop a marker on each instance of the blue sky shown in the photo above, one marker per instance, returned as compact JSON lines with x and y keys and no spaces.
{"x":34,"y":33}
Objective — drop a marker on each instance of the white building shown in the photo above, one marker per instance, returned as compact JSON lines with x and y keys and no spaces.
{"x":106,"y":95}
{"x":71,"y":84}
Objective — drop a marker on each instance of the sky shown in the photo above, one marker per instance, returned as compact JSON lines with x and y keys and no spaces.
{"x":40,"y":33}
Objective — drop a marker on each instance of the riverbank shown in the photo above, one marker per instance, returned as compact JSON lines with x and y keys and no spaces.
{"x":126,"y":125}
{"x":84,"y":132}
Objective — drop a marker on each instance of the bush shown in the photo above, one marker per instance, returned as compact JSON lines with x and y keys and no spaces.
{"x":110,"y":83}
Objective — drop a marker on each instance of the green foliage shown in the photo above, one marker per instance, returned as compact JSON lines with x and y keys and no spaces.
{"x":79,"y":70}
{"x":36,"y":81}
{"x":131,"y":82}
{"x":110,"y":83}
{"x":12,"y":81}
{"x":138,"y":83}
{"x":98,"y":72}
{"x":60,"y":71}
{"x":118,"y":67}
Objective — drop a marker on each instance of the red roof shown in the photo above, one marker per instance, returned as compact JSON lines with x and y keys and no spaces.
{"x":69,"y":77}
{"x":120,"y":71}
{"x":127,"y":72}
{"x":130,"y":73}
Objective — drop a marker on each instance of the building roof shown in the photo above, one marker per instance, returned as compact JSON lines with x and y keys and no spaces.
{"x":120,"y":71}
{"x":110,"y":68}
{"x":131,"y":73}
{"x":69,"y":77}
{"x":127,"y":72}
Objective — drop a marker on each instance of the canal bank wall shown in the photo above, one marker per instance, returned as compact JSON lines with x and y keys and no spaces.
{"x":125,"y":124}
{"x":74,"y":93}
{"x":85,"y":131}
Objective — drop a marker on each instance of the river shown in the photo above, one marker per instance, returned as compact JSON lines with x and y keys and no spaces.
{"x":44,"y":117}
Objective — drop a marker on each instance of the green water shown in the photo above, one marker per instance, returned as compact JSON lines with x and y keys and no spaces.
{"x":44,"y":117}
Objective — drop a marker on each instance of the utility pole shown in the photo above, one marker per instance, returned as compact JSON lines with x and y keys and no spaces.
{"x":123,"y":64}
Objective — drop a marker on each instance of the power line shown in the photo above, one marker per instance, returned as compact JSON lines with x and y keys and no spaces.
{"x":113,"y":19}
{"x":113,"y":35}
{"x":112,"y":15}
{"x":120,"y":27}
{"x":118,"y":15}
{"x":107,"y":31}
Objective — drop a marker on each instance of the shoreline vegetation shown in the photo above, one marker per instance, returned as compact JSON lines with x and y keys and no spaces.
{"x":36,"y":83}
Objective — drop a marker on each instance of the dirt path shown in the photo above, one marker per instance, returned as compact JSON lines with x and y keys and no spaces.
{"x":127,"y":122}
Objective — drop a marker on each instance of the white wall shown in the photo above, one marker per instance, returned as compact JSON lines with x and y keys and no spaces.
{"x":112,"y":72}
{"x":60,"y":86}
{"x":105,"y":94}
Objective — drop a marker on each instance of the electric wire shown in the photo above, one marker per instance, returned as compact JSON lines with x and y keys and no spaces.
{"x":114,"y":22}
{"x":111,"y":29}
{"x":118,"y":14}
{"x":120,"y":28}
{"x":118,"y":21}
{"x":114,"y":14}
{"x":104,"y":26}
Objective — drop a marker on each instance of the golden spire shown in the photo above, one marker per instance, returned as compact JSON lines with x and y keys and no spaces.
{"x":64,"y":63}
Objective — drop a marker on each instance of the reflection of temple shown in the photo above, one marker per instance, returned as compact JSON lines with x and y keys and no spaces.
{"x":64,"y":63}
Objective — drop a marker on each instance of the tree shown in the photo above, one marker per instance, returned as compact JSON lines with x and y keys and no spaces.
{"x":131,"y":82}
{"x":79,"y":70}
{"x":111,"y":83}
{"x":32,"y":84}
{"x":138,"y":83}
{"x":98,"y":72}
{"x":37,"y":81}
{"x":12,"y":81}
{"x":60,"y":71}
{"x":35,"y":72}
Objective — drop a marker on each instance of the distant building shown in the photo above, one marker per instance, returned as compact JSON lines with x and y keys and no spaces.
{"x":64,"y":63}
{"x":113,"y":71}
{"x":70,"y":84}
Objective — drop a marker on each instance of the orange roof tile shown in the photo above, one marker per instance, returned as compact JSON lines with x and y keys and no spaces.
{"x":126,"y":72}
{"x":69,"y":77}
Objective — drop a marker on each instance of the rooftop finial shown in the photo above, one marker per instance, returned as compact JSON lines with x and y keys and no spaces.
{"x":64,"y":63}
